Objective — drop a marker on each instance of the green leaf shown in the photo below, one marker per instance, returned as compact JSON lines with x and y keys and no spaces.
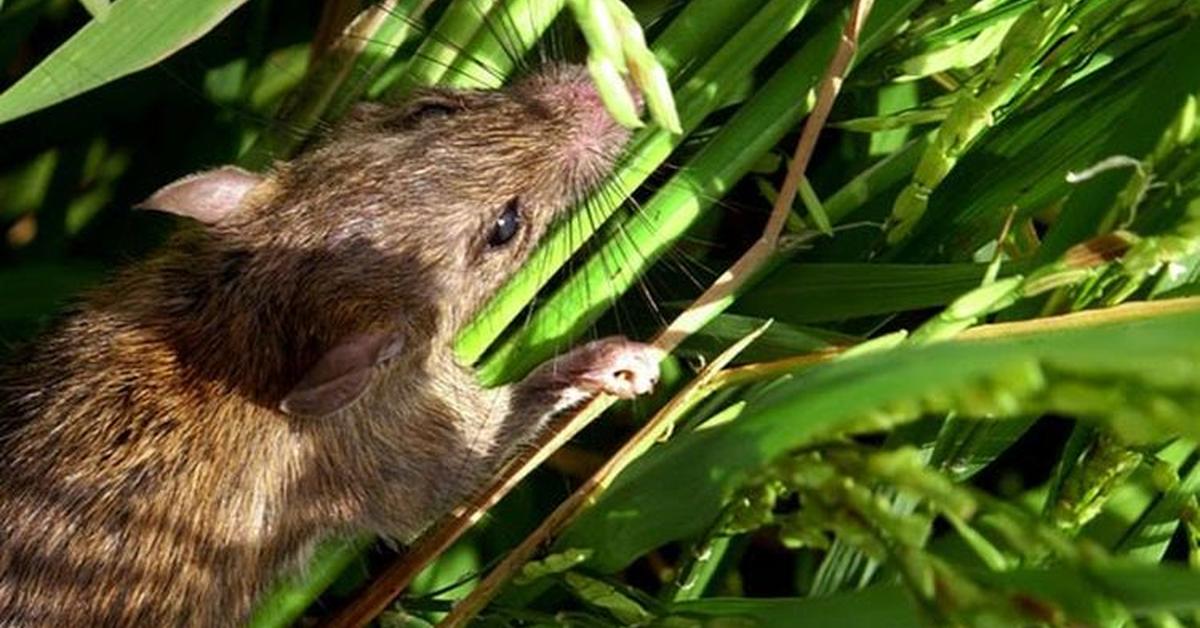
{"x":810,"y":293}
{"x":337,"y":80}
{"x":98,"y":8}
{"x":877,"y":606}
{"x":550,"y":565}
{"x":1147,"y":538}
{"x":779,"y":341}
{"x":677,"y":491}
{"x":1160,"y":96}
{"x":601,"y":594}
{"x":1023,"y":161}
{"x":135,"y":35}
{"x":1086,"y":594}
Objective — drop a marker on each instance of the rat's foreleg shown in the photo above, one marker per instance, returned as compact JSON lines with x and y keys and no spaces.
{"x":428,"y":477}
{"x":613,"y":365}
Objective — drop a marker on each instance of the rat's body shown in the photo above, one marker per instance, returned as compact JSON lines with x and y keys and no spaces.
{"x":283,"y":374}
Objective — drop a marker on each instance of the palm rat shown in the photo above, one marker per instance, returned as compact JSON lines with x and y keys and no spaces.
{"x":282,"y":373}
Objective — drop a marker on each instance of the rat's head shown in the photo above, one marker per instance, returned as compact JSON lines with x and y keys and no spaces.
{"x":408,"y":216}
{"x":469,"y":181}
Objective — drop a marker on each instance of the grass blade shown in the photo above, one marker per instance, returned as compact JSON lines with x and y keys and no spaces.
{"x":135,"y":35}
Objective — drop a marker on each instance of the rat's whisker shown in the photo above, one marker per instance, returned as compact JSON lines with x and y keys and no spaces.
{"x":507,"y":39}
{"x":672,"y":256}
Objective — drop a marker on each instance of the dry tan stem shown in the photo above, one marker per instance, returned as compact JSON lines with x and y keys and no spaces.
{"x":400,"y":574}
{"x":831,"y":84}
{"x":1127,"y":312}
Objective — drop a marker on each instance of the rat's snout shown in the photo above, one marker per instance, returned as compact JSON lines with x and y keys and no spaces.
{"x":575,"y":86}
{"x":570,"y":85}
{"x":591,"y":136}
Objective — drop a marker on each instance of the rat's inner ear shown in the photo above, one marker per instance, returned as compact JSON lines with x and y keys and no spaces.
{"x":340,"y":376}
{"x":208,"y":196}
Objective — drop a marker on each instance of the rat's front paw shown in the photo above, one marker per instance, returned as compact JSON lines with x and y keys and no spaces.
{"x":615,"y":365}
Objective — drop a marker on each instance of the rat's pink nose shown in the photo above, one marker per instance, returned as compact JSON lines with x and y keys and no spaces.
{"x":566,"y":86}
{"x":584,"y":92}
{"x":588,"y":139}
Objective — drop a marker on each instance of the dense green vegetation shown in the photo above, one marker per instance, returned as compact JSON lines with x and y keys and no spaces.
{"x":965,"y":382}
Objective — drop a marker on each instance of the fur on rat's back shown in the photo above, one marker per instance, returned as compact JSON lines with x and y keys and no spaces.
{"x":149,"y":471}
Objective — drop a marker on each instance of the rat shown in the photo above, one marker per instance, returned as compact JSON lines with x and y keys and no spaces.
{"x":281,"y":372}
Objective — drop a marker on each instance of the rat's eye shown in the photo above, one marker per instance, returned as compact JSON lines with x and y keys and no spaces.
{"x":506,"y":225}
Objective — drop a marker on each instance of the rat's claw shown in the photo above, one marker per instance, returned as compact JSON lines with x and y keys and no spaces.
{"x":617,"y":366}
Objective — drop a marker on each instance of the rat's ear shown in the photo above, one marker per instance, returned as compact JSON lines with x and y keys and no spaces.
{"x":341,"y":375}
{"x":207,"y":196}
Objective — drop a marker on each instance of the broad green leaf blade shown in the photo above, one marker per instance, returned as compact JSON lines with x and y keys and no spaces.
{"x":135,"y":35}
{"x":98,"y":8}
{"x":511,"y":29}
{"x":700,"y":22}
{"x":965,"y":447}
{"x":678,"y":490}
{"x":1146,"y":589}
{"x":808,"y":293}
{"x":780,"y":340}
{"x":1138,"y":589}
{"x":878,"y":606}
{"x":442,"y":47}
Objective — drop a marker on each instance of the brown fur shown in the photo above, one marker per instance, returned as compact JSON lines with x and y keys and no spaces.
{"x":147,"y":476}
